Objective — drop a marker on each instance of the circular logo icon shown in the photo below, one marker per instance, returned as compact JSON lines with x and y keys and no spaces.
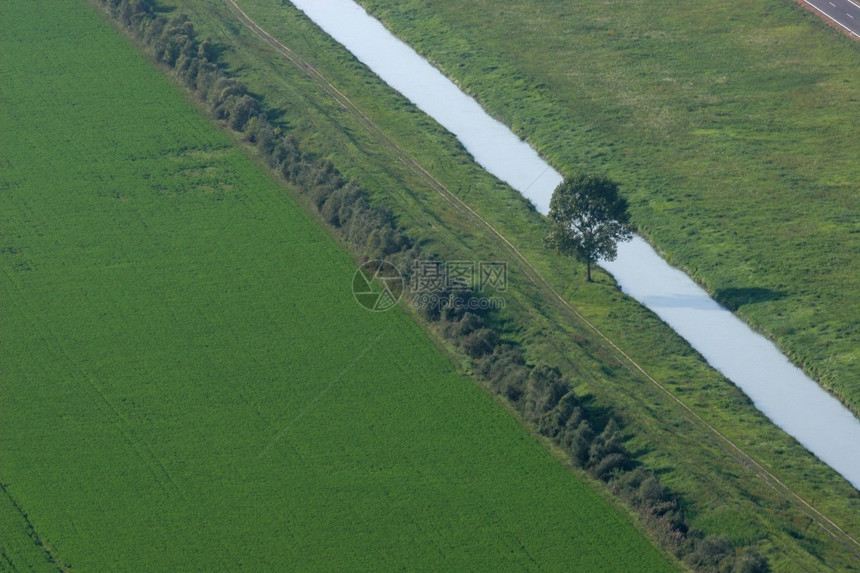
{"x":377,"y":285}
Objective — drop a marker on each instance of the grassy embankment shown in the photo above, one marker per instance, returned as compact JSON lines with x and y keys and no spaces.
{"x":187,"y":382}
{"x":731,"y":126}
{"x":722,"y":495}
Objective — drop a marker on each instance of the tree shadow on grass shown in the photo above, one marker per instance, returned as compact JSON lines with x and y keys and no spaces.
{"x":734,"y":298}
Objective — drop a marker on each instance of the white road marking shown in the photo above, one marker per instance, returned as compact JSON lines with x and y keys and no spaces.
{"x":849,"y":30}
{"x":832,"y":4}
{"x":849,"y":15}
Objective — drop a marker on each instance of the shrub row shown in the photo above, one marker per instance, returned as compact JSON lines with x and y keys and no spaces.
{"x":541,"y":394}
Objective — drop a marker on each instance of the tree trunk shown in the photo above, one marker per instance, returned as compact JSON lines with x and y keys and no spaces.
{"x":588,"y":271}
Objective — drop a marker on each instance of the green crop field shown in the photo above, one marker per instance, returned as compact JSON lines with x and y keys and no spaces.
{"x":731,"y":126}
{"x":186,"y":380}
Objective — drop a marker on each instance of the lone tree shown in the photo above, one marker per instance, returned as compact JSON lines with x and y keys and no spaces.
{"x":588,"y":219}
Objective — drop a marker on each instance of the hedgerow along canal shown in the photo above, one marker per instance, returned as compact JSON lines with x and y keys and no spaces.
{"x":779,"y":389}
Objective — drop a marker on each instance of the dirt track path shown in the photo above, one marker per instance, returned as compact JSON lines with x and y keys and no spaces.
{"x":535,"y":277}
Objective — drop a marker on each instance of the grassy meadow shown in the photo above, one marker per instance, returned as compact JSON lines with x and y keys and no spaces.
{"x":731,"y":127}
{"x":186,"y":380}
{"x":721,"y":495}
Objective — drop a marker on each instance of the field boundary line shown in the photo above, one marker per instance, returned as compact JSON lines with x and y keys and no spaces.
{"x":33,"y":534}
{"x":534,"y":275}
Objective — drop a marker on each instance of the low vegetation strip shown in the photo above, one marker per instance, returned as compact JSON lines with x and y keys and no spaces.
{"x":734,"y":142}
{"x":188,"y":382}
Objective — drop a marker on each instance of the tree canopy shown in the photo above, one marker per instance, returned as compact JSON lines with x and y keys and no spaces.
{"x":588,"y":217}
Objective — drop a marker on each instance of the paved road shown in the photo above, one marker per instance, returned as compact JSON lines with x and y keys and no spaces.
{"x":844,"y":13}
